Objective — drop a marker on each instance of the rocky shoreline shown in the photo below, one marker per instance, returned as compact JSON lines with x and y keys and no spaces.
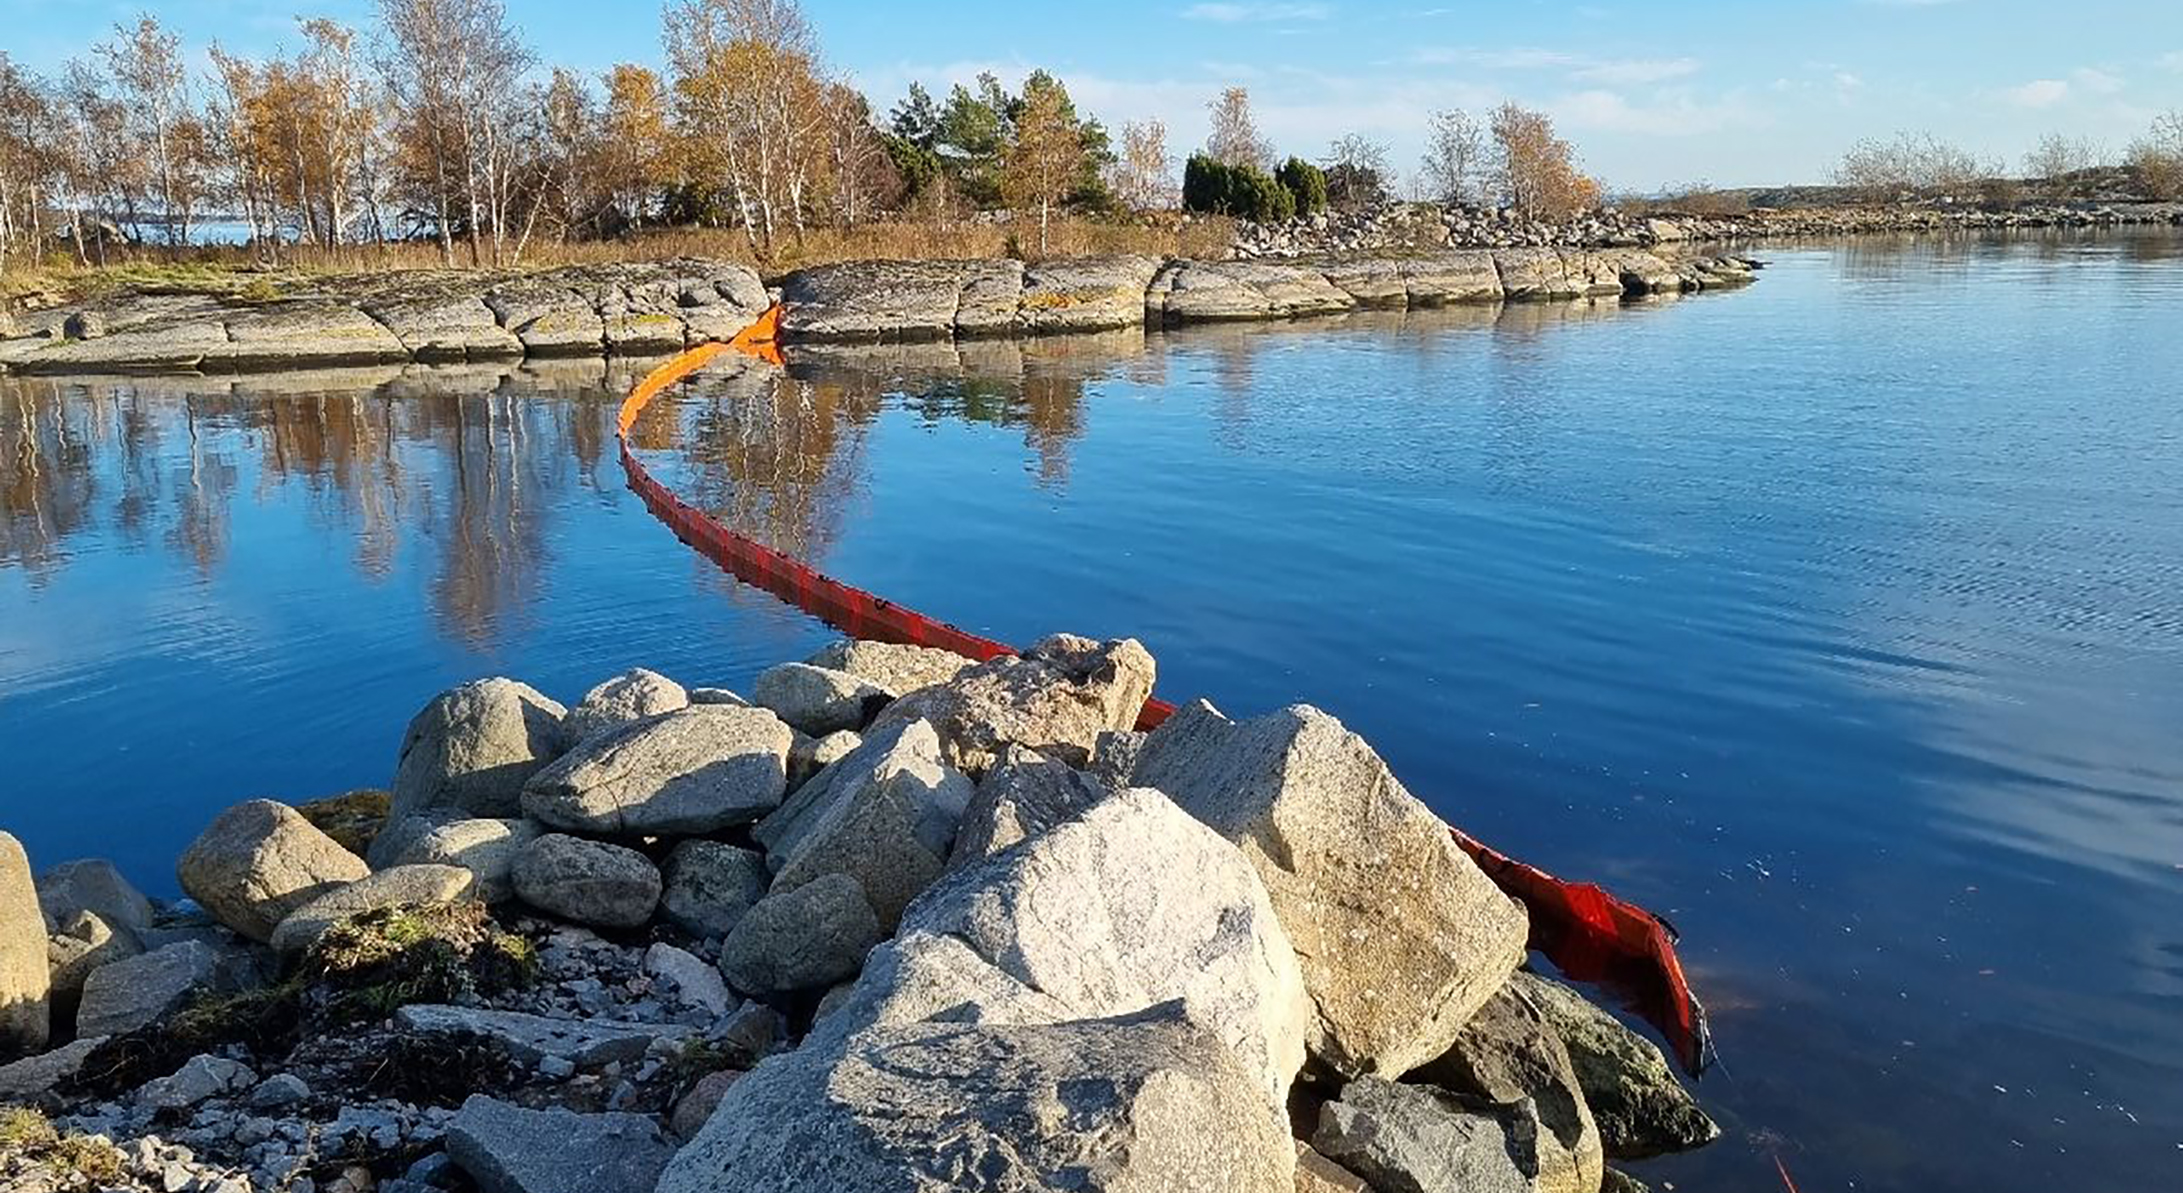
{"x":895,"y":922}
{"x":665,"y":306}
{"x":1430,"y":227}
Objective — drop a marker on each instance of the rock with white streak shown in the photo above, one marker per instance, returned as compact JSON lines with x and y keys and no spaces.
{"x":534,"y":1038}
{"x":698,"y":770}
{"x":695,"y":982}
{"x":1402,"y":936}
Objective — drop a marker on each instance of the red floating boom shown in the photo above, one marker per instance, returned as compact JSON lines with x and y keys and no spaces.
{"x":1589,"y":935}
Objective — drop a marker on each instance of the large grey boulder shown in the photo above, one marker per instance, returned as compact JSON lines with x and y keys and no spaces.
{"x":1419,"y":1139}
{"x":94,"y":885}
{"x":258,"y":862}
{"x":889,"y":820}
{"x":533,"y":1038}
{"x":387,"y":888}
{"x":698,"y":770}
{"x":486,"y":848}
{"x":1149,"y":1103}
{"x":885,"y":817}
{"x":391,"y":847}
{"x":136,"y":991}
{"x":508,"y":1149}
{"x":1024,"y":794}
{"x":473,"y":747}
{"x":1401,"y":936}
{"x":895,"y":667}
{"x":1058,"y":697}
{"x":709,"y":885}
{"x":623,"y":700}
{"x":1128,"y":904}
{"x":1509,"y":1053}
{"x":807,"y":938}
{"x":25,"y":980}
{"x":818,"y":700}
{"x":588,"y":882}
{"x":1641,"y":1109}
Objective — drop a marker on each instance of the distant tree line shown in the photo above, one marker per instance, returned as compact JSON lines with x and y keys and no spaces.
{"x":1921,"y":165}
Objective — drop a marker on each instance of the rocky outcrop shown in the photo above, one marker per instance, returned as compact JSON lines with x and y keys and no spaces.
{"x":422,"y":316}
{"x":260,"y":861}
{"x":1148,"y":1103}
{"x":1402,"y":937}
{"x":25,"y":981}
{"x":698,"y":770}
{"x":1062,"y":977}
{"x":662,"y":307}
{"x":472,"y":749}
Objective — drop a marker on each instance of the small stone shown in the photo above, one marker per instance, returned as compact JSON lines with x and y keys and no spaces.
{"x":697,"y":983}
{"x":556,"y":1068}
{"x":279,"y":1092}
{"x":698,"y":1105}
{"x":200,"y":1078}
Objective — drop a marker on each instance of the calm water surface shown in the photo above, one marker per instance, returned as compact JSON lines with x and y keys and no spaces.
{"x":1840,"y":619}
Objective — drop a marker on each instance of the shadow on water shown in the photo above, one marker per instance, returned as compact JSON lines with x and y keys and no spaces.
{"x":1835,"y":619}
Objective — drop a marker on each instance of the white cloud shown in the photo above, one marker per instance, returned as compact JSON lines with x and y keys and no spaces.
{"x":1638,"y":70}
{"x":2097,"y":81}
{"x":1235,"y":14}
{"x":2039,"y":93}
{"x":1664,"y":114}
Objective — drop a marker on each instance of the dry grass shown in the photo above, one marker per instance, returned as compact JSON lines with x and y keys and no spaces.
{"x":237,"y":271}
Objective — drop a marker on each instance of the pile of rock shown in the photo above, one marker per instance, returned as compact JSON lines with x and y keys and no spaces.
{"x":1423,"y":227}
{"x":897,"y":921}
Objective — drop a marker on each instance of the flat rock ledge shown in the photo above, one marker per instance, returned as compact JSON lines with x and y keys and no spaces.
{"x":990,"y":938}
{"x":662,"y":307}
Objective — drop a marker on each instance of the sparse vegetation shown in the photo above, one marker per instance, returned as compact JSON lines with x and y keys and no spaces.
{"x":2158,"y":157}
{"x":68,"y":1162}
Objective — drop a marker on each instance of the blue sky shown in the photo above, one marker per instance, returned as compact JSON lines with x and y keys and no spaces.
{"x":1654,"y":93}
